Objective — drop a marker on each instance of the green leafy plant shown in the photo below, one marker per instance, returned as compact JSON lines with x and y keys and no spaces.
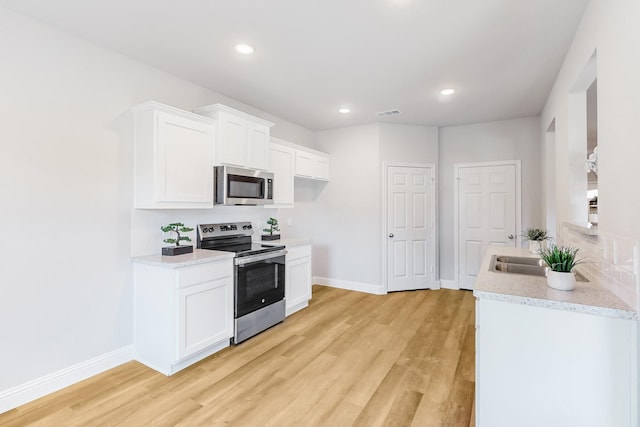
{"x":560,"y":258}
{"x":536,"y":234}
{"x":176,"y":227}
{"x":273,"y":226}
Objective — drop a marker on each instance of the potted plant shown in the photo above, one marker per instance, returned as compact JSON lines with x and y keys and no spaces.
{"x":560,"y":261}
{"x":176,"y":227}
{"x":537,"y":238}
{"x":273,"y":226}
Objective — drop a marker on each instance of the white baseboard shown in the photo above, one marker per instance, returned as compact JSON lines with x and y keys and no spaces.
{"x":351,"y":286}
{"x":32,"y":390}
{"x":448,"y":284}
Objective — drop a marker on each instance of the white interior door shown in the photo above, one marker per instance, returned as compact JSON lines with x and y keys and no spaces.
{"x":487,"y":214}
{"x":410,"y":228}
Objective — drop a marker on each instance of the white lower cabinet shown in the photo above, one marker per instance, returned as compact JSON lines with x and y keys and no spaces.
{"x":182,"y":315}
{"x":298,"y":278}
{"x":537,"y":366}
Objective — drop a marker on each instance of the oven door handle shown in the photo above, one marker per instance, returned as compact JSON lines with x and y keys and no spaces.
{"x":259,"y":257}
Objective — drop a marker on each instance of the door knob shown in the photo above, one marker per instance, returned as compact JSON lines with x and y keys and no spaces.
{"x":510,"y":236}
{"x":390,"y":234}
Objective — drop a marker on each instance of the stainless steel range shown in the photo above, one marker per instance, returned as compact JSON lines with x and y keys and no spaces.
{"x":258,"y":278}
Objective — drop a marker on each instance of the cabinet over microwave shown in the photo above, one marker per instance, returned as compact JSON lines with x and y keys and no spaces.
{"x":237,"y":186}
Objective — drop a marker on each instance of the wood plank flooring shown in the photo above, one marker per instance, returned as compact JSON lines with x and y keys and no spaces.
{"x":350,"y":359}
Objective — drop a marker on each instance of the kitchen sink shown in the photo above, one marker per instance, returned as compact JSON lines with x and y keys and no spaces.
{"x":518,"y":260}
{"x":523,"y":265}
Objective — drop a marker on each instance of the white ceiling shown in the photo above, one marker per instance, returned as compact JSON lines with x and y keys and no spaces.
{"x":314,"y":56}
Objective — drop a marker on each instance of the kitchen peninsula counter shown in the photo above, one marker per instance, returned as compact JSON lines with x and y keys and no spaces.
{"x":588,"y":297}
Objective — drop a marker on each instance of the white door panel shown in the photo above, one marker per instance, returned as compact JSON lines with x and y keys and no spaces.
{"x":410,"y":228}
{"x":487,"y":215}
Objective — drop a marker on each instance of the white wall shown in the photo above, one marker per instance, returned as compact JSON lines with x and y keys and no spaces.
{"x":406,"y":143}
{"x":609,"y":27}
{"x":347,"y":212}
{"x":517,"y":139}
{"x":67,"y":194}
{"x":345,"y":215}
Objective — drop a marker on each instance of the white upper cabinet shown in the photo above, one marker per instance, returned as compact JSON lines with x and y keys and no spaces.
{"x":312,"y":164}
{"x":242,"y":139}
{"x":283,"y":160}
{"x":232,"y":130}
{"x":173,"y":158}
{"x":258,"y":146}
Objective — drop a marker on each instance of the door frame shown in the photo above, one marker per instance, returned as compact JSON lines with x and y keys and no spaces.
{"x":384,"y":238}
{"x":456,"y":220}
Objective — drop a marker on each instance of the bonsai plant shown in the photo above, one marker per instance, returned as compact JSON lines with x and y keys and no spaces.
{"x":560,"y":261}
{"x":536,"y":237}
{"x":176,"y":227}
{"x":273,"y":226}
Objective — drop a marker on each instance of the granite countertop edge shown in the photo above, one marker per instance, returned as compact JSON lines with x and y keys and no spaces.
{"x":198,"y":256}
{"x":558,"y":305}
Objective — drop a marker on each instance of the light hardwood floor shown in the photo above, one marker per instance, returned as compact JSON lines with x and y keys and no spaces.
{"x":350,"y":359}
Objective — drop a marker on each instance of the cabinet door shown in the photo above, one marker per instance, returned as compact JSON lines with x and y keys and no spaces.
{"x":232,"y":144}
{"x":304,"y":164}
{"x":581,"y":368}
{"x":183,"y":160}
{"x":321,"y":168}
{"x":257,"y":146}
{"x":282,"y":164}
{"x":205,"y":316}
{"x":298,"y":290}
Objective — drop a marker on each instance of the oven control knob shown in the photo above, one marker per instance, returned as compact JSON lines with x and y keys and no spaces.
{"x":249,"y":227}
{"x":210,"y":229}
{"x":263,"y":300}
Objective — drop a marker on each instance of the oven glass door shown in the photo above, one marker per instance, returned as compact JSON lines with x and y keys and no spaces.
{"x":259,"y":284}
{"x":245,"y":187}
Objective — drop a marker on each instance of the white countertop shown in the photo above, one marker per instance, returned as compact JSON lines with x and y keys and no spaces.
{"x":199,"y":256}
{"x":286,"y":241}
{"x":587,"y":297}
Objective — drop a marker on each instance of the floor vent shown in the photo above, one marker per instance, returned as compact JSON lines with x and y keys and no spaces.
{"x":388,"y":113}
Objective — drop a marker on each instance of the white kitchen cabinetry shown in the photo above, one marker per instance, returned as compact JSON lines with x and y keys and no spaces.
{"x":242,"y":139}
{"x":182,"y":315}
{"x":298,"y":278}
{"x":173,"y":158}
{"x":312,"y":164}
{"x":537,"y":366}
{"x":283,"y":160}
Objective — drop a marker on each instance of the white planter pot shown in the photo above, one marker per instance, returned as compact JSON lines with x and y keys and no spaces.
{"x":536,"y":246}
{"x":561,"y":280}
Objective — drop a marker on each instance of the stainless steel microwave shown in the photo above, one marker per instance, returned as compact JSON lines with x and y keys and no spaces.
{"x":237,"y":186}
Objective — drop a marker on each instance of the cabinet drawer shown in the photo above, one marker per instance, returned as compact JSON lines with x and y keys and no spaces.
{"x":296,"y":252}
{"x":189,"y":276}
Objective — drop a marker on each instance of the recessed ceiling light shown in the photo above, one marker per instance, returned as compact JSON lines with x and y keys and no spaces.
{"x":447,"y":92}
{"x":344,"y":110}
{"x":244,"y":49}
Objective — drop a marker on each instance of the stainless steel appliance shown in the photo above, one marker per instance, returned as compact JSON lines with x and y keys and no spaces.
{"x":258,"y":276}
{"x":237,"y":186}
